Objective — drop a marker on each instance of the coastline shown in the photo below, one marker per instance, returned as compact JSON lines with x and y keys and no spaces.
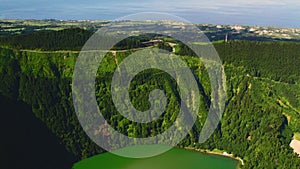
{"x":223,"y":154}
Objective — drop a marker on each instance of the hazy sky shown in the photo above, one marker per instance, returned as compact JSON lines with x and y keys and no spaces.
{"x":247,"y":12}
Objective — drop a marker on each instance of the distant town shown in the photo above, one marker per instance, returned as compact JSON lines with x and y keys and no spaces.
{"x":213,"y":32}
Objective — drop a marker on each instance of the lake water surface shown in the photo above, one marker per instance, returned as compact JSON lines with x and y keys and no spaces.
{"x":173,"y":159}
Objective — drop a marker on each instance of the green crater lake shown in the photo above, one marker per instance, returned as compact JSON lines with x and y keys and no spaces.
{"x":172,"y":159}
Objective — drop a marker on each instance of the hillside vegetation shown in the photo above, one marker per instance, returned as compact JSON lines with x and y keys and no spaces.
{"x":262,"y":108}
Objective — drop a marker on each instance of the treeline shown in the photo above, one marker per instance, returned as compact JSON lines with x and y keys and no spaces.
{"x":278,"y":61}
{"x":69,"y":39}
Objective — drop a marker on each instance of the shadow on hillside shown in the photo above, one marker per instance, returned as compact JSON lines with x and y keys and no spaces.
{"x":26,"y":142}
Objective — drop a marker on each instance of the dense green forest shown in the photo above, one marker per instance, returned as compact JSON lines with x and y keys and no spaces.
{"x":278,"y":61}
{"x":262,"y":106}
{"x":68,"y":39}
